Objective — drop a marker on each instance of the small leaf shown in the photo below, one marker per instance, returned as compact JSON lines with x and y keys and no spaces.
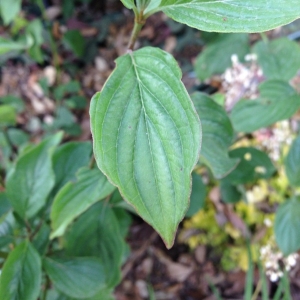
{"x":279,"y":59}
{"x":21,"y":275}
{"x":277,"y":101}
{"x":233,"y":15}
{"x":216,"y":57}
{"x":292,"y":163}
{"x":7,"y":115}
{"x":128,"y":3}
{"x":9,"y":10}
{"x":217,"y":135}
{"x":254,"y":164}
{"x":197,"y":196}
{"x":229,"y":192}
{"x":147,"y":137}
{"x":75,"y":41}
{"x":75,"y":198}
{"x":79,"y":278}
{"x":32,"y":179}
{"x":287,"y":224}
{"x":67,"y":159}
{"x":97,"y":233}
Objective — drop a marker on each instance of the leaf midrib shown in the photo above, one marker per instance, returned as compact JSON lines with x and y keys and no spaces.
{"x":139,"y":82}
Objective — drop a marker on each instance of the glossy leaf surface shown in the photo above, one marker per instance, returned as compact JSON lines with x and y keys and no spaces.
{"x":21,"y":275}
{"x":79,"y":278}
{"x":76,"y":197}
{"x":217,"y":135}
{"x":287,"y":224}
{"x":34,"y":178}
{"x":292,"y":163}
{"x":277,"y":101}
{"x":279,"y":59}
{"x":147,"y":137}
{"x":232,"y":15}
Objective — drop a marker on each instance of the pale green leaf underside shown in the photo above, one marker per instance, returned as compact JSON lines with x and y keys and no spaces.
{"x":232,"y":15}
{"x":217,"y":135}
{"x":128,"y":3}
{"x":75,"y":198}
{"x":277,"y":101}
{"x":147,"y":137}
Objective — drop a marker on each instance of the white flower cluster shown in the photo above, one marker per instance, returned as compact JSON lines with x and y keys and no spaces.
{"x":274,"y":139}
{"x":241,"y":80}
{"x":275,"y":263}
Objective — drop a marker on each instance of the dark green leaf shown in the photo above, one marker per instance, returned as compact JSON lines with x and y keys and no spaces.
{"x":17,"y":137}
{"x":21,"y":275}
{"x":96,"y":233}
{"x":67,"y":159}
{"x":278,"y":101}
{"x":75,"y":198}
{"x":147,"y":137}
{"x":41,"y":240}
{"x":75,"y":41}
{"x":279,"y":59}
{"x":6,"y":221}
{"x":32,"y":179}
{"x":217,"y":135}
{"x":216,"y":57}
{"x":198,"y":195}
{"x":254,"y":165}
{"x":287,"y":224}
{"x":229,"y":192}
{"x":292,"y":163}
{"x":233,"y":15}
{"x":79,"y":278}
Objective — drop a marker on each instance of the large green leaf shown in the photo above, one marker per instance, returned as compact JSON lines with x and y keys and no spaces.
{"x":279,"y":59}
{"x":277,"y":101}
{"x":292,"y":163}
{"x":32,"y":179}
{"x":254,"y":164}
{"x":147,"y":137}
{"x":233,"y":15}
{"x":67,"y":159}
{"x":9,"y":10}
{"x":216,"y":57}
{"x":217,"y":135}
{"x":287,"y":224}
{"x":21,"y":275}
{"x":97,"y":233}
{"x":80,"y":277}
{"x":76,"y":197}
